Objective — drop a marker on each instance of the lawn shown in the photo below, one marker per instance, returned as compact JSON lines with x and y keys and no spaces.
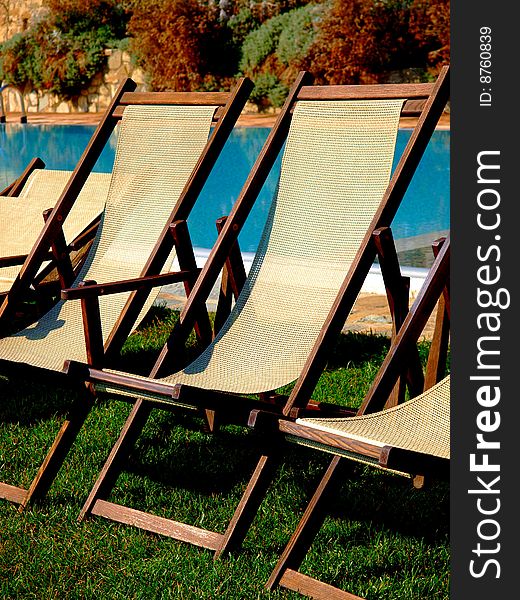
{"x":383,"y":539}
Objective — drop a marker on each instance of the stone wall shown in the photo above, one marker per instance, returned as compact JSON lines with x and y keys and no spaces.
{"x":94,"y":99}
{"x":17,"y":15}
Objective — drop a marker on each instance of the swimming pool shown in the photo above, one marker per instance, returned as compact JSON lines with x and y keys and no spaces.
{"x":423,"y":215}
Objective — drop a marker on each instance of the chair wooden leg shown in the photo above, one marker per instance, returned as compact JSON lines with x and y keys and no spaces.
{"x":113,"y":466}
{"x":286,"y":571}
{"x":397,"y":291}
{"x":59,"y":449}
{"x":249,"y":503}
{"x":211,"y":420}
{"x":436,"y":366}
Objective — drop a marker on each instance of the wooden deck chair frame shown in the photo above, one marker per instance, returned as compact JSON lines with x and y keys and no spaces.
{"x":417,"y":465}
{"x":237,"y":408}
{"x":16,"y":186}
{"x":51,"y":278}
{"x":51,"y":236}
{"x":175,"y":233}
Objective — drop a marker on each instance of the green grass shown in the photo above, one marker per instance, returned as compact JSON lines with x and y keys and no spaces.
{"x":382,"y":540}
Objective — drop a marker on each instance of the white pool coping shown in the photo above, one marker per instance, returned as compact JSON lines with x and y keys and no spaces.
{"x":373,"y":283}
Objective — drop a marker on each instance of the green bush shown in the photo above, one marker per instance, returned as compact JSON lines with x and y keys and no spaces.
{"x":63,"y":52}
{"x":73,"y":66}
{"x":268,"y":91}
{"x":273,"y":52}
{"x":50,"y":60}
{"x":261,"y":42}
{"x":241,"y":25}
{"x":298,"y":33}
{"x":287,"y":36}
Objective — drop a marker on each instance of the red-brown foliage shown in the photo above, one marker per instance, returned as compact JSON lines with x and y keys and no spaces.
{"x":360,"y":41}
{"x":430,"y":24}
{"x":170,"y":38}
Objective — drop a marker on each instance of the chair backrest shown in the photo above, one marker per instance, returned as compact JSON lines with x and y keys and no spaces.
{"x":226,"y":109}
{"x":317,"y":248}
{"x":22,"y":216}
{"x":51,"y":183}
{"x":161,"y":151}
{"x":335,"y":169}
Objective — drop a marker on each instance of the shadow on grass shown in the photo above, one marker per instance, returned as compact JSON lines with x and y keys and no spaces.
{"x":353,"y":348}
{"x":174,"y":451}
{"x":28,"y":397}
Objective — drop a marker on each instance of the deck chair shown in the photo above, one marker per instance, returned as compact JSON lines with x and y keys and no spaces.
{"x":23,"y":216}
{"x":52,"y":231}
{"x":163,"y":159}
{"x":410,"y":439}
{"x":334,"y":198}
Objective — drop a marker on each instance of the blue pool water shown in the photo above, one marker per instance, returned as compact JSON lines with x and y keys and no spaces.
{"x":424,"y":211}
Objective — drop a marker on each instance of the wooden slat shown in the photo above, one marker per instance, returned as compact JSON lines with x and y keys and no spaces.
{"x":187,"y":262}
{"x":247,"y":508}
{"x":159,"y":525}
{"x":126,"y":285}
{"x":330,"y":439}
{"x":86,"y":236}
{"x":180,"y":98}
{"x":366,"y":92}
{"x":12,"y":493}
{"x":36,"y":163}
{"x":119,"y":111}
{"x":313,"y":588}
{"x":413,"y":107}
{"x":11,"y":261}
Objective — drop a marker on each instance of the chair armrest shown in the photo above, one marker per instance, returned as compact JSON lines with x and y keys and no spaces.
{"x":84,"y":372}
{"x":14,"y":188}
{"x":11,"y":261}
{"x":128,"y":285}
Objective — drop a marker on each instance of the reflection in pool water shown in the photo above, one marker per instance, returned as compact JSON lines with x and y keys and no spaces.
{"x":423,"y":214}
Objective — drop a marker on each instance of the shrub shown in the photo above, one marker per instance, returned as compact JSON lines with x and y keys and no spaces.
{"x":20,"y":62}
{"x":181,"y":44}
{"x":361,"y":40}
{"x":72,"y":62}
{"x":298,"y":34}
{"x":287,"y":37}
{"x":268,"y":91}
{"x":106,"y":17}
{"x":62,"y":53}
{"x":241,"y":24}
{"x":430,"y":25}
{"x":260,"y":43}
{"x":272,"y":53}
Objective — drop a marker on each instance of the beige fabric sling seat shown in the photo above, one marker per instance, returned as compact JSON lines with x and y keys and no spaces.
{"x":420,"y":425}
{"x":150,"y":172}
{"x":411,"y":440}
{"x":22,"y":216}
{"x":335,"y":169}
{"x":51,"y":182}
